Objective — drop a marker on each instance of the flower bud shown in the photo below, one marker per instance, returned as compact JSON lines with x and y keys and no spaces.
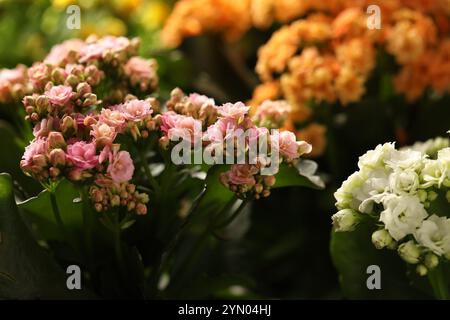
{"x":115,"y":201}
{"x":164,"y":142}
{"x":42,"y":104}
{"x":269,"y":181}
{"x":68,"y":126}
{"x":90,"y":100}
{"x":72,"y":80}
{"x":83,"y":88}
{"x":39,"y":160}
{"x":345,"y":220}
{"x":421,"y":270}
{"x":423,"y":195}
{"x":259,"y":188}
{"x":431,"y":260}
{"x":29,"y":101}
{"x":54,"y":172}
{"x":141,"y":209}
{"x":381,"y":239}
{"x":89,"y":121}
{"x":75,"y":175}
{"x":131,"y":205}
{"x":56,"y":140}
{"x":98,"y":207}
{"x":58,"y":75}
{"x":409,"y":252}
{"x":432,"y":196}
{"x":57,"y":157}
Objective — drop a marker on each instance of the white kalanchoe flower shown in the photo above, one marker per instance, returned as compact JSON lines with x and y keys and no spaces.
{"x":345,"y":194}
{"x":404,"y":181}
{"x":373,"y":189}
{"x":433,"y":173}
{"x":430,"y":147}
{"x":345,"y":220}
{"x":402,"y":215}
{"x":406,"y":159}
{"x":374,"y":159}
{"x":409,"y":252}
{"x":382,"y":239}
{"x":434,"y":234}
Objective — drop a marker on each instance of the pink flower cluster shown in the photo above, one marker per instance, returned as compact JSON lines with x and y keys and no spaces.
{"x":13,"y":84}
{"x":272,"y":114}
{"x":75,"y":132}
{"x":187,"y":120}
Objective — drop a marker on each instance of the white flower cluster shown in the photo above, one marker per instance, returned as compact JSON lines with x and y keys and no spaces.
{"x":406,"y":193}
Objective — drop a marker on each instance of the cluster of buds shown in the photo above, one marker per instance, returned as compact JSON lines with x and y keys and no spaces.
{"x":198,"y":106}
{"x":272,"y":114}
{"x":59,"y":100}
{"x":234,"y":127}
{"x":106,"y":196}
{"x":76,"y":133}
{"x":13,"y":84}
{"x":246,"y":182}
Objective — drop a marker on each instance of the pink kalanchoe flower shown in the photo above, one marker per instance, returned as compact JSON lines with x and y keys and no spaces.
{"x":42,"y":128}
{"x":236,"y":111}
{"x":121,"y":167}
{"x":177,"y":126}
{"x":105,"y":155}
{"x":140,"y":69}
{"x":60,"y":54}
{"x":59,"y":95}
{"x":242,"y":174}
{"x":272,"y":112}
{"x":82,"y":155}
{"x":103,"y":133}
{"x":38,"y":146}
{"x":289,"y":147}
{"x":39,"y":74}
{"x":113,"y":118}
{"x":135,"y":110}
{"x":97,"y":49}
{"x":200,"y":100}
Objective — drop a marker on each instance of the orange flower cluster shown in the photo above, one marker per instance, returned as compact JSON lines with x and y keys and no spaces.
{"x":328,"y":52}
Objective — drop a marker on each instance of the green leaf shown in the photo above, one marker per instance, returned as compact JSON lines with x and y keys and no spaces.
{"x":352,"y":252}
{"x":301,"y":175}
{"x":26,"y":269}
{"x":39,"y":210}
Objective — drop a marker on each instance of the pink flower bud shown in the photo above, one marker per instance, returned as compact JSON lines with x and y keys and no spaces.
{"x":83,"y":88}
{"x":75,"y":174}
{"x":68,"y":126}
{"x":40,"y":160}
{"x":141,"y":209}
{"x":57,"y":157}
{"x":56,"y":140}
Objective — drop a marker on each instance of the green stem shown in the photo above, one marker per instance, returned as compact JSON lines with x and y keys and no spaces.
{"x":150,"y":178}
{"x":233,"y":216}
{"x":438,"y":282}
{"x":57,"y":215}
{"x":118,"y":244}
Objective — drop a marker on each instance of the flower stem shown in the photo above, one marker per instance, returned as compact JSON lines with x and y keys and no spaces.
{"x":118,"y":244}
{"x":148,"y":174}
{"x":233,"y":216}
{"x":438,"y":282}
{"x":57,"y":215}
